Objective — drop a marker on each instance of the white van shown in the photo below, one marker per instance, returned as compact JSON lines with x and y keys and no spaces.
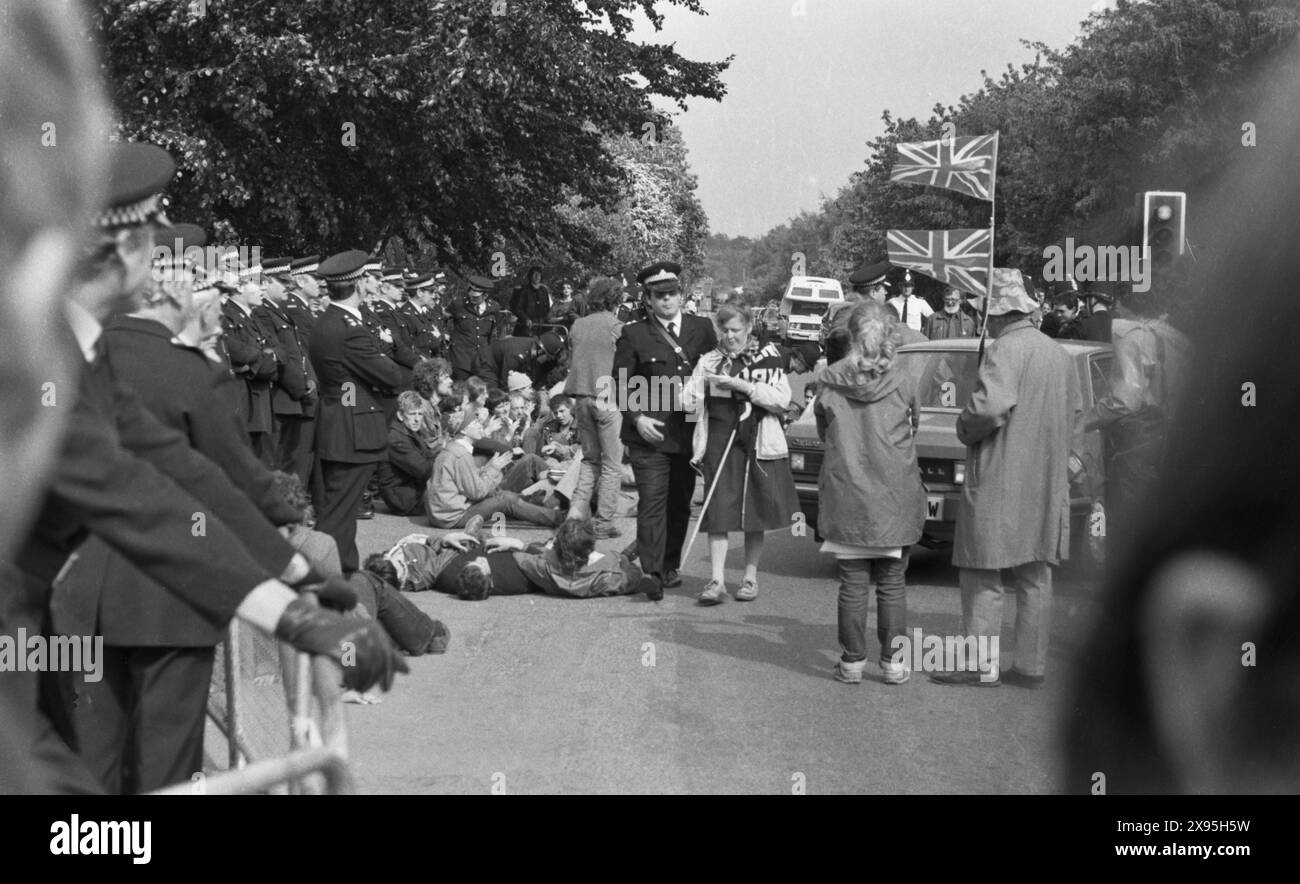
{"x":806,"y":300}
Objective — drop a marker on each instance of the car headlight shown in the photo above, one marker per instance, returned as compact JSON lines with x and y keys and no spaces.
{"x":797,"y":461}
{"x":959,"y":472}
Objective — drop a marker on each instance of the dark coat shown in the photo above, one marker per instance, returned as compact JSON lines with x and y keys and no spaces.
{"x":653,"y":370}
{"x":941,"y":326}
{"x":472,"y":333}
{"x":422,"y":328}
{"x":1097,"y":327}
{"x":296,"y":375}
{"x":137,"y":485}
{"x":353,"y":374}
{"x":402,"y":478}
{"x":255,"y":357}
{"x":512,"y":354}
{"x":176,"y":384}
{"x":404,"y":352}
{"x":869,"y":490}
{"x":301,"y":315}
{"x":529,"y":304}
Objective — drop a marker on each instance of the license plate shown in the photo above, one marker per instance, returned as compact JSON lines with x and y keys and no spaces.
{"x":934,"y":508}
{"x":796,"y":461}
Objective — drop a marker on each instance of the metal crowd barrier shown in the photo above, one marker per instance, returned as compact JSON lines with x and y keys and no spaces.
{"x":280,"y":714}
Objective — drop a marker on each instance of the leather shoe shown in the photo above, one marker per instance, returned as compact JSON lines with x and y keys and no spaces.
{"x":1021,"y":680}
{"x":672,"y":578}
{"x":965,"y":679}
{"x":653,"y":589}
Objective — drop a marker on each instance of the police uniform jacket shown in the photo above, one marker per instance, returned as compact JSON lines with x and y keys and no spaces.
{"x":296,"y":374}
{"x":654,"y":365}
{"x":139,"y":487}
{"x":421,"y":328}
{"x":255,"y":357}
{"x":177,"y":384}
{"x":351,"y":426}
{"x":404,"y":352}
{"x":471,"y":332}
{"x":302,"y":317}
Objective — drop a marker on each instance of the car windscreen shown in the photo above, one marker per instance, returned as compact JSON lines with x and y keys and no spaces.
{"x":800,"y":292}
{"x":944,"y":379}
{"x":808,"y":308}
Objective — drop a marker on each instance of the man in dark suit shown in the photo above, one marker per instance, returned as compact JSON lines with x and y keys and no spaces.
{"x":293,"y":398}
{"x":1097,"y":326}
{"x":653,"y":358}
{"x":255,"y":356}
{"x":351,"y":428}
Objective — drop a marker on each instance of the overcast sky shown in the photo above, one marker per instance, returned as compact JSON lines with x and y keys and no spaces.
{"x":805,"y":92}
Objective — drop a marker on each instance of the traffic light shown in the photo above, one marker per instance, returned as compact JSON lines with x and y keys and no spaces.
{"x":1163,"y":217}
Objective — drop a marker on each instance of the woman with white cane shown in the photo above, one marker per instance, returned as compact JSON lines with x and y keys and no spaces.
{"x":738,"y":393}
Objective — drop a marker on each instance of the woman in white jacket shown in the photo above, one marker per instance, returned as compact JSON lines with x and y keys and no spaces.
{"x":755,"y":491}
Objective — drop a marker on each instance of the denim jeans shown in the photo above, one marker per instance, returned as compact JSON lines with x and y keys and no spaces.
{"x":411,"y":629}
{"x":602,"y":458}
{"x":857,"y":576}
{"x":510,"y":504}
{"x":982,"y":592}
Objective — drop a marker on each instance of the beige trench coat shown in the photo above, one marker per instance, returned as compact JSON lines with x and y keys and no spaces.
{"x":1015,"y":505}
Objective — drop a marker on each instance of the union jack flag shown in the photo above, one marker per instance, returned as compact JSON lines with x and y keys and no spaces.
{"x":967,"y":165}
{"x":957,"y":257}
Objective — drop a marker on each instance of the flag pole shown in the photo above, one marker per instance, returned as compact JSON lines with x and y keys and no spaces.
{"x":988,"y":286}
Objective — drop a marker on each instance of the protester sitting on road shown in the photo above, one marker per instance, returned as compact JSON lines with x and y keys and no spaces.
{"x":567,"y":566}
{"x":316,"y":547}
{"x":555,"y":436}
{"x":432,"y":380}
{"x":403,"y":476}
{"x":872,"y":503}
{"x":459,"y":489}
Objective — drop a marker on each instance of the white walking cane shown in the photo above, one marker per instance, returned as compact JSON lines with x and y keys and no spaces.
{"x":744,"y":413}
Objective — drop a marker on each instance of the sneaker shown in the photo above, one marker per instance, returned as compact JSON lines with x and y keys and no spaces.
{"x":748,"y":591}
{"x":672,"y":578}
{"x":895,"y":673}
{"x":650,"y":585}
{"x":849,"y":673}
{"x":965,"y":679}
{"x":715,"y":593}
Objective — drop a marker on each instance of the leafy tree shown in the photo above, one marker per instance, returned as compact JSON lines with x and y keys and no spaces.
{"x":452,"y":125}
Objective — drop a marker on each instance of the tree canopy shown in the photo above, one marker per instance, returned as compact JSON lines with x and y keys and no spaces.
{"x":456,"y":126}
{"x":1151,"y":96}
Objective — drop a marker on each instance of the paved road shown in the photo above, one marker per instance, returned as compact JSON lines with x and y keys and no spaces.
{"x":542,"y":695}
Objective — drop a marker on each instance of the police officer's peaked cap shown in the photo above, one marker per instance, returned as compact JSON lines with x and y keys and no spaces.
{"x":310,"y":264}
{"x":138,"y":174}
{"x":343,"y":267}
{"x":374,"y":264}
{"x":482,"y":283}
{"x":423,"y":281}
{"x":172,"y":243}
{"x":276,"y":266}
{"x":660,"y":275}
{"x":870,"y":274}
{"x":393,"y":274}
{"x":551,"y":342}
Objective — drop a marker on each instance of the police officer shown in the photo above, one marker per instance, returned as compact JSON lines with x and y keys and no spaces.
{"x":418,"y":315}
{"x":868,"y":281}
{"x":652,"y":359}
{"x":351,"y":428}
{"x":124,"y":477}
{"x":473,"y":320}
{"x":256,"y":357}
{"x":304,"y":291}
{"x":293,"y":399}
{"x":911,"y":309}
{"x":385,"y":306}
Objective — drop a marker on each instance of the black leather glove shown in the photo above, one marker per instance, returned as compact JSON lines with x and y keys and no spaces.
{"x":333,"y":592}
{"x":361,"y":647}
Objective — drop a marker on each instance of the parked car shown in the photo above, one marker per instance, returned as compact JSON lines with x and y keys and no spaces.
{"x":946,"y":372}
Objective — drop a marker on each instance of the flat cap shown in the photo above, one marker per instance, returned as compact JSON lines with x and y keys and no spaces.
{"x":343,"y":267}
{"x":138,"y":174}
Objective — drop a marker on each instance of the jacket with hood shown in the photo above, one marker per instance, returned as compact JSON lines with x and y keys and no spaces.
{"x":870,"y":488}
